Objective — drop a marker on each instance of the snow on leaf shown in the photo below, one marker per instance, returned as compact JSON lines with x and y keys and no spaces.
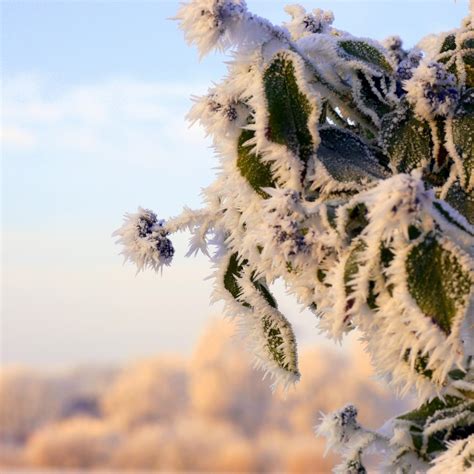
{"x":437,"y":282}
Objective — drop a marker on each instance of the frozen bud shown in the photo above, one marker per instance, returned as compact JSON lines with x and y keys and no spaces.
{"x":393,"y":45}
{"x":206,"y":23}
{"x":339,"y":427}
{"x":219,"y":113}
{"x":304,"y":24}
{"x":290,"y":238}
{"x":408,"y":65}
{"x":145,"y":242}
{"x":432,"y":90}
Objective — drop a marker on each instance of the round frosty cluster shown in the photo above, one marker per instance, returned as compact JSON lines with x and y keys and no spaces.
{"x":339,"y":426}
{"x":145,"y":242}
{"x":432,"y":90}
{"x":304,"y":24}
{"x":288,"y":237}
{"x":219,"y":113}
{"x":207,"y":23}
{"x":393,"y":45}
{"x":408,"y":64}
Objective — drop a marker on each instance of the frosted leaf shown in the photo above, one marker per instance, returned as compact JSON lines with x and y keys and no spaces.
{"x":371,"y":91}
{"x":346,"y":158}
{"x":460,"y":139}
{"x":289,"y":109}
{"x":144,"y":240}
{"x":268,"y":333}
{"x":406,"y":140}
{"x":367,"y":52}
{"x":436,"y":423}
{"x":437,"y":282}
{"x":257,"y":172}
{"x":462,"y":201}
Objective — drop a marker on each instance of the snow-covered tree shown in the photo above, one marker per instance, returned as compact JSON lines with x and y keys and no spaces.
{"x":347,"y":170}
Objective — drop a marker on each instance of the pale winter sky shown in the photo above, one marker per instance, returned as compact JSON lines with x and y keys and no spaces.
{"x":94,"y":97}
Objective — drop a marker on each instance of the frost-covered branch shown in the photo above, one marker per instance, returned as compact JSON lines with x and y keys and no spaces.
{"x":346,"y":170}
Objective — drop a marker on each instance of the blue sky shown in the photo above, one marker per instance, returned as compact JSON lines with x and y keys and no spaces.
{"x":94,"y":98}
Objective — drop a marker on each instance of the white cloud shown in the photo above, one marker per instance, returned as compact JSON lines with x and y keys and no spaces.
{"x":120,"y":118}
{"x":15,"y":137}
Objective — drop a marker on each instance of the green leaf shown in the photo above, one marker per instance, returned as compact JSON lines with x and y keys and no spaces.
{"x":463,"y":135}
{"x":363,"y":51}
{"x":289,"y":109}
{"x":406,"y":140}
{"x":437,"y":282}
{"x":257,"y":172}
{"x":462,"y":201}
{"x":346,"y":157}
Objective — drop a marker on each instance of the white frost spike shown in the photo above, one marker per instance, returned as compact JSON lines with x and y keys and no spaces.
{"x":432,"y":90}
{"x":145,"y":242}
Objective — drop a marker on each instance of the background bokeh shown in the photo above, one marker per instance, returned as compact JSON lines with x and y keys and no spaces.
{"x":93,"y":102}
{"x":208,"y":412}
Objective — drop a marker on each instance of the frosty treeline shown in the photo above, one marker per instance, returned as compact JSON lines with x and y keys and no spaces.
{"x":347,"y":170}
